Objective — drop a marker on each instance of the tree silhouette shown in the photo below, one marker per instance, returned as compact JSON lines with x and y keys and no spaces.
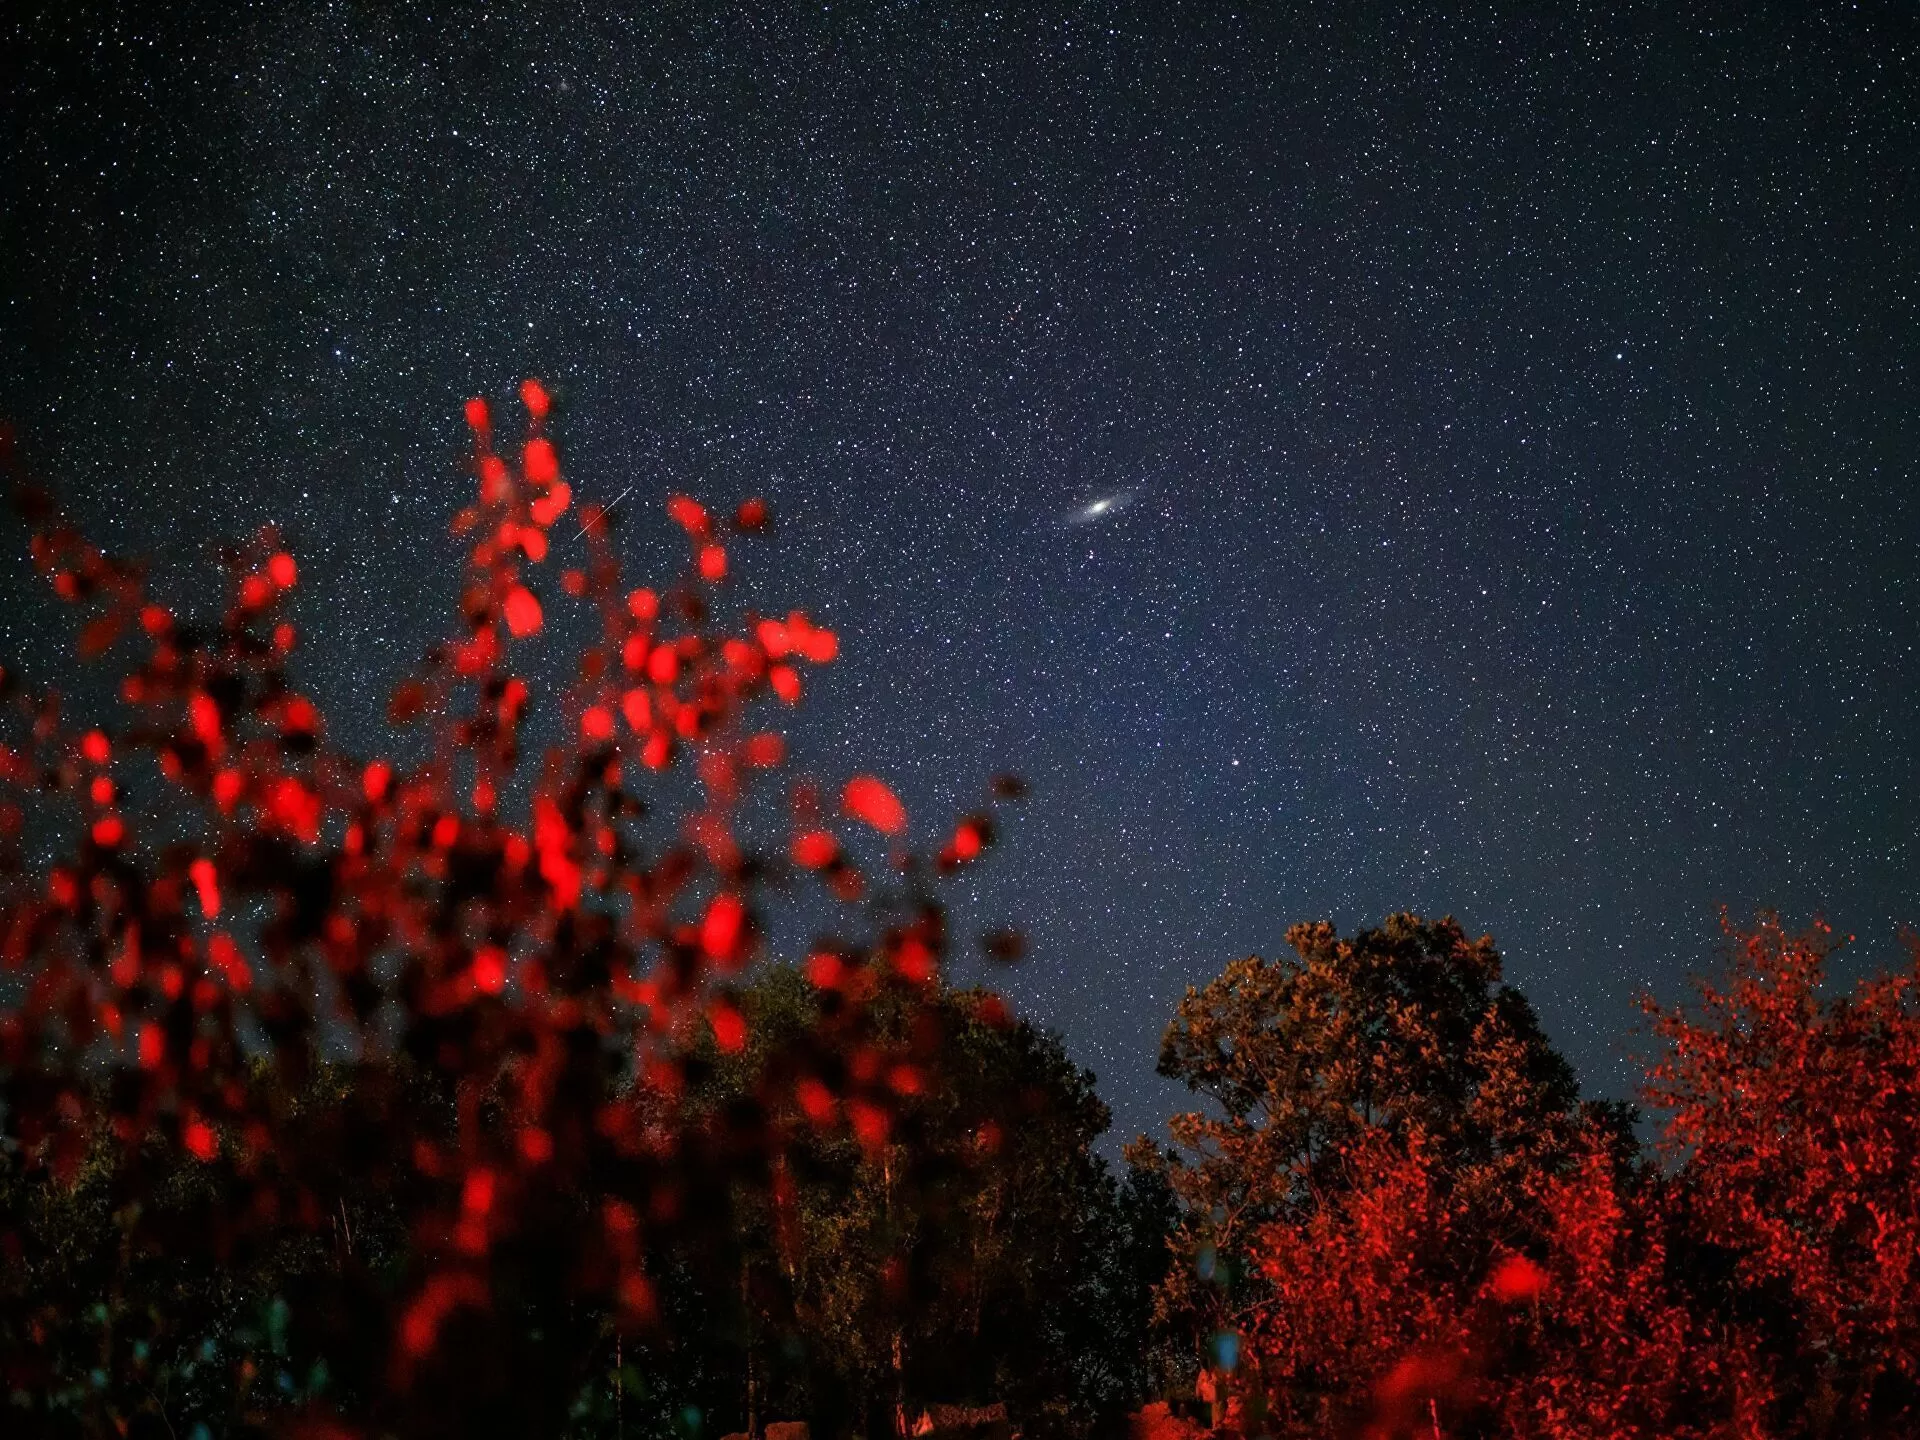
{"x":983,"y":1254}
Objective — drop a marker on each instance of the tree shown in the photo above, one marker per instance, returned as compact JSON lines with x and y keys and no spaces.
{"x":983,"y":1253}
{"x":460,"y":994}
{"x":1794,"y":1123}
{"x":1382,"y":1108}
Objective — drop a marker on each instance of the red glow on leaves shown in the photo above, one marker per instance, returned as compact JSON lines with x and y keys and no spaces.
{"x":729,"y":1027}
{"x":534,"y":396}
{"x":207,"y":883}
{"x":690,"y":516}
{"x":204,"y":716}
{"x":871,"y":1124}
{"x":815,"y":849}
{"x":512,"y":955}
{"x":868,"y":798}
{"x":826,"y":970}
{"x":723,"y":932}
{"x":523,"y":611}
{"x":109,"y":831}
{"x":375,"y":779}
{"x":1516,"y":1279}
{"x":539,"y":463}
{"x":816,"y":1100}
{"x":200,"y":1140}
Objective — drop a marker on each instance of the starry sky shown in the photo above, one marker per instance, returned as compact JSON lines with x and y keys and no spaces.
{"x":1506,"y":421}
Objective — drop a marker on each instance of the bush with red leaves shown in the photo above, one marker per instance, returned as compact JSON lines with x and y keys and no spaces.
{"x":365,"y":1078}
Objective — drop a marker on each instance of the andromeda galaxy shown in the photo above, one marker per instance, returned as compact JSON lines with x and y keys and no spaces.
{"x":1100,"y":508}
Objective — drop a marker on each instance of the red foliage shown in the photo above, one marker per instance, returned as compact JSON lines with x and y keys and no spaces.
{"x":1761,"y":1284}
{"x":1795,"y":1120}
{"x":869,"y":799}
{"x":395,"y":914}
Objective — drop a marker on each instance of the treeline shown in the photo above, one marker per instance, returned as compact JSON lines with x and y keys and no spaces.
{"x":1398,"y":1218}
{"x":982,"y":1252}
{"x":1394,"y":1216}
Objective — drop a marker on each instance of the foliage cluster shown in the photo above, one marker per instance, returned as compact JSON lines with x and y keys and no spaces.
{"x":1397,"y":1218}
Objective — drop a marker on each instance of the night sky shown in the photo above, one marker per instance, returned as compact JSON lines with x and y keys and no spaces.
{"x":1506,"y":423}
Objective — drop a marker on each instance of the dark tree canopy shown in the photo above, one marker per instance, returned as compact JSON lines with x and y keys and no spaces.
{"x":984,"y":1254}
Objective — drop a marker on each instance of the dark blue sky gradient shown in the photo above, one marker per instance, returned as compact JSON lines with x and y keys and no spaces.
{"x":1518,"y":411}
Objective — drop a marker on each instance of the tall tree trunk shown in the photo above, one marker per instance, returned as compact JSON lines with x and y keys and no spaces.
{"x":899,"y":1339}
{"x":746,"y":1311}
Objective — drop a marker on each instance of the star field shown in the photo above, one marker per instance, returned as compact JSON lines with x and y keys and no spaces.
{"x":1515,"y":415}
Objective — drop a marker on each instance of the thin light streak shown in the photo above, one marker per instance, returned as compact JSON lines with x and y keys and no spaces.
{"x":605,"y":510}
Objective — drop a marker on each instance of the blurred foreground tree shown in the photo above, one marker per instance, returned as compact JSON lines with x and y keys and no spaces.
{"x":351,"y":1095}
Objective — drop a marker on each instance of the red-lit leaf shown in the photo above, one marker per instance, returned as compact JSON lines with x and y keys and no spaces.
{"x":868,"y":798}
{"x":522,"y":611}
